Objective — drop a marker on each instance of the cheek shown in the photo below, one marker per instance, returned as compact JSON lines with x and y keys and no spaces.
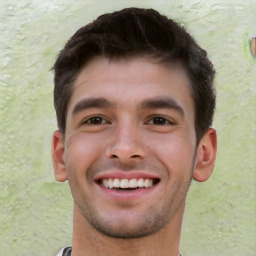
{"x":81,"y":151}
{"x":175,"y":151}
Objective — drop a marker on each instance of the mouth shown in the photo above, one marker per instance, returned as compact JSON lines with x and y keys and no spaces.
{"x":128,"y":184}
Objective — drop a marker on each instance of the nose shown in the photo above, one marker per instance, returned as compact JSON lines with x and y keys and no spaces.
{"x":126,"y":145}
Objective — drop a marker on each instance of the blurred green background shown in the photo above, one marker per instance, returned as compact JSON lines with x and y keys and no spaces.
{"x":36,"y":211}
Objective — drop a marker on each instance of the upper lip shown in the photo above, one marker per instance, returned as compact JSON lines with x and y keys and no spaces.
{"x":125,"y":175}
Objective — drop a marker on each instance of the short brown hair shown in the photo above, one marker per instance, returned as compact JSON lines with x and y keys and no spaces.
{"x":136,"y":32}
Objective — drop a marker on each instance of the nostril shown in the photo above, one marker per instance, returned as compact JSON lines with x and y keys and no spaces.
{"x":135,"y":156}
{"x":125,"y":149}
{"x":122,"y":157}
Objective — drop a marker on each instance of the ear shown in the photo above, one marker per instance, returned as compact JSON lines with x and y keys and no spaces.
{"x":60,"y":172}
{"x":206,"y":155}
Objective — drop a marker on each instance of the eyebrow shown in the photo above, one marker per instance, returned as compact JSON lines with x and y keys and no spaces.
{"x":154,"y":103}
{"x":93,"y":103}
{"x":164,"y":103}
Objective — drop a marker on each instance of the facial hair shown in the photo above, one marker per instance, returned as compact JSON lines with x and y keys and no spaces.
{"x":151,"y":222}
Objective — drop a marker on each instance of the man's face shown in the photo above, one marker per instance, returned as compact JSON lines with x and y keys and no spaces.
{"x":130,"y":144}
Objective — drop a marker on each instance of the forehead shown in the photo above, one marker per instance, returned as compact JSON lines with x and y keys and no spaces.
{"x":130,"y":81}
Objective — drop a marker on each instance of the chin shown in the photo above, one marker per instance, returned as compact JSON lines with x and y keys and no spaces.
{"x":126,"y":231}
{"x":128,"y":226}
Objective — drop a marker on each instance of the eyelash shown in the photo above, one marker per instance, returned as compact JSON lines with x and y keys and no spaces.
{"x":88,"y":121}
{"x":166,"y":121}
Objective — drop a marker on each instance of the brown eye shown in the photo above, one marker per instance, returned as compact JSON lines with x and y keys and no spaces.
{"x":96,"y":120}
{"x":159,"y":121}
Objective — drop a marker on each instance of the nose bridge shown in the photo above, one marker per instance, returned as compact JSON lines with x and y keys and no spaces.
{"x":127,"y":142}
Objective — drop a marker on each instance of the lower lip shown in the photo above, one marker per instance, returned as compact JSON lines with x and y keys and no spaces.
{"x":129,"y":194}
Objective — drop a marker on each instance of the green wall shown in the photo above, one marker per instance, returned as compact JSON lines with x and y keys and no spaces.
{"x":36,"y":211}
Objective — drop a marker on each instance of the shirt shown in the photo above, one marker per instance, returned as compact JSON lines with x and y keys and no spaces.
{"x":67,"y":251}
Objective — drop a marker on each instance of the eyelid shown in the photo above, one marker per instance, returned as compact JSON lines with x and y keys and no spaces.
{"x":85,"y":121}
{"x":168,"y":119}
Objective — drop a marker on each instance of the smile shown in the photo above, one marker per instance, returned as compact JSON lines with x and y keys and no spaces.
{"x":128,"y":184}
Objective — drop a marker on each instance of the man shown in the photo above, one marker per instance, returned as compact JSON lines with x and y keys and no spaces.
{"x":134,"y":99}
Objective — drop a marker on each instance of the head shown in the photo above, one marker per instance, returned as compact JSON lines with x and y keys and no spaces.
{"x":134,"y":99}
{"x":131,"y":33}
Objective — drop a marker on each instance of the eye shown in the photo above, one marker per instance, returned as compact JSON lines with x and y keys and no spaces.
{"x":159,"y":121}
{"x":95,"y":120}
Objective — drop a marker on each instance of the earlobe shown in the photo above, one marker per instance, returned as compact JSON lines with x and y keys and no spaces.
{"x":206,"y":155}
{"x":58,"y":156}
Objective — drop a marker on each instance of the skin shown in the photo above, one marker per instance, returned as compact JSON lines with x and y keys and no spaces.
{"x":134,"y":134}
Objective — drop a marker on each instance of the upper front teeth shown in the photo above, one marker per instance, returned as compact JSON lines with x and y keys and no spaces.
{"x":125,"y":183}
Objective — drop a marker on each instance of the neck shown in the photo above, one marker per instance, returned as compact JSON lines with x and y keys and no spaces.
{"x":87,"y":241}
